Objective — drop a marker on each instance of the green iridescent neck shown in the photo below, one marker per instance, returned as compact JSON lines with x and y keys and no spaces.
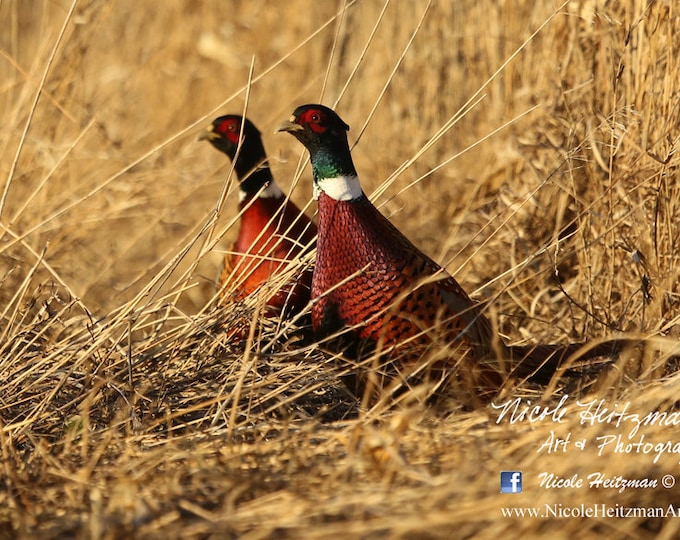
{"x":331,"y":164}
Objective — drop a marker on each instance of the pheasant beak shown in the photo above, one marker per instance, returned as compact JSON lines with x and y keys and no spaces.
{"x":290,"y":126}
{"x":209,"y":134}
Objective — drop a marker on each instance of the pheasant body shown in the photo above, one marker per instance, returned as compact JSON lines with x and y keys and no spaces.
{"x":273,"y":230}
{"x":371,"y":285}
{"x":374,"y":289}
{"x":264,"y":247}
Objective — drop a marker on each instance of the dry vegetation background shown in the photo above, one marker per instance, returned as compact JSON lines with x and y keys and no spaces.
{"x":125,"y":411}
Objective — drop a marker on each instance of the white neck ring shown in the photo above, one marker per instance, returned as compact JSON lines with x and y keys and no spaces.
{"x":340,"y":188}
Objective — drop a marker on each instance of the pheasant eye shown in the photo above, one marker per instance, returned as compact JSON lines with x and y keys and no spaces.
{"x":315,"y":119}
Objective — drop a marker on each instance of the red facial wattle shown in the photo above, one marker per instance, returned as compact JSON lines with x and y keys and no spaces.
{"x":315,"y":119}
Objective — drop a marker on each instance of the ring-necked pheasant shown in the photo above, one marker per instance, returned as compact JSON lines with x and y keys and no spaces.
{"x":376,"y":290}
{"x":273,"y":230}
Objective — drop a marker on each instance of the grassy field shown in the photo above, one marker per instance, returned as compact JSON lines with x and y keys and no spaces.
{"x":527,"y":146}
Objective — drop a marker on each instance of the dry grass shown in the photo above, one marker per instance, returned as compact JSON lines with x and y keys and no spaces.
{"x":126,"y":411}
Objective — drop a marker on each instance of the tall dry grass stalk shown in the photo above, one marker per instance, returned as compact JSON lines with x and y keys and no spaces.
{"x":538,"y":166}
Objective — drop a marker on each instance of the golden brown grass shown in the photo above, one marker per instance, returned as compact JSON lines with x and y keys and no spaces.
{"x":125,"y":411}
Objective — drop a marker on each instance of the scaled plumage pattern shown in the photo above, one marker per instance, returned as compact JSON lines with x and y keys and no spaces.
{"x":273,"y":230}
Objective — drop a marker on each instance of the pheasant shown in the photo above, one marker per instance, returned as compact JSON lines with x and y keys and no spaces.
{"x":273,"y":230}
{"x":375,"y":294}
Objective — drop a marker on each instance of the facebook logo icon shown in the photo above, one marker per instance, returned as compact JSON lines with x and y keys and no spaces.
{"x":511,"y":482}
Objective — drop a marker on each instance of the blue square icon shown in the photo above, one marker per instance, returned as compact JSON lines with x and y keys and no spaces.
{"x":511,"y":482}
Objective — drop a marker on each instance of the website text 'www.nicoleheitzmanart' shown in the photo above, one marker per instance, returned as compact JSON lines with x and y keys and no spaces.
{"x":598,"y":510}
